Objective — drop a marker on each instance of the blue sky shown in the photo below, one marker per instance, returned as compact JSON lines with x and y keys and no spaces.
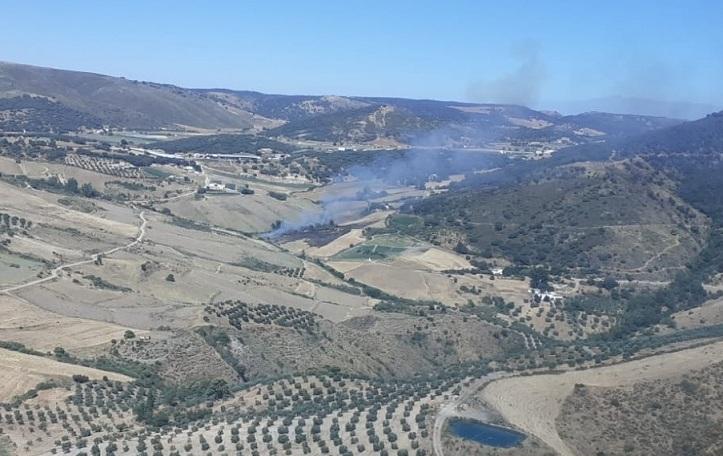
{"x":529,"y":52}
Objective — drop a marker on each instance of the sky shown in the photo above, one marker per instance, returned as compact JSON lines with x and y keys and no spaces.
{"x":537,"y":53}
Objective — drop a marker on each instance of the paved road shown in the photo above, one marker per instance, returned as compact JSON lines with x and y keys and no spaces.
{"x":450,"y":408}
{"x":56,"y":272}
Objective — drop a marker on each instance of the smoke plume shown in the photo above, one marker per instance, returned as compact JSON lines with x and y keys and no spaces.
{"x":522,"y":86}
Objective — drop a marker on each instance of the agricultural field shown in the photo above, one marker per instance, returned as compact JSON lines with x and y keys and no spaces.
{"x":104,"y":166}
{"x":21,"y":372}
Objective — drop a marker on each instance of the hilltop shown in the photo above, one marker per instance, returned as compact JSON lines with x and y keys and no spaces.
{"x":118,"y":101}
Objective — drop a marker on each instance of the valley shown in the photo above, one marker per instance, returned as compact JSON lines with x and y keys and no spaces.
{"x":266,"y":274}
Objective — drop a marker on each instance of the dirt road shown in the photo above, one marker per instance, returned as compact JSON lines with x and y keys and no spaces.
{"x":56,"y":272}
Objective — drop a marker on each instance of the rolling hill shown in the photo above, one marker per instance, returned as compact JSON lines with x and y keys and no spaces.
{"x":614,"y":218}
{"x":90,"y":100}
{"x":118,"y":101}
{"x":542,"y":212}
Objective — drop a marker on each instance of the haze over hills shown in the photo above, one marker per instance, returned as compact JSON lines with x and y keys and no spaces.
{"x":640,"y":106}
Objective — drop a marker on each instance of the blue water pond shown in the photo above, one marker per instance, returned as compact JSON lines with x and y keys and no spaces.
{"x":486,"y":434}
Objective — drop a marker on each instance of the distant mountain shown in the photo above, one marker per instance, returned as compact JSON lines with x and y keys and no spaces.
{"x":618,"y":124}
{"x":700,"y":137}
{"x":433,"y":123}
{"x":688,"y":148}
{"x":286,"y":108}
{"x":640,"y":106}
{"x":36,"y":98}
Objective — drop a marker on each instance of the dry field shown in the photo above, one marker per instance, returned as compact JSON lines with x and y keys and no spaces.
{"x":533,"y":403}
{"x":134,"y":289}
{"x":102,"y":182}
{"x":20,"y":372}
{"x":710,"y":313}
{"x":343,"y":242}
{"x":348,"y":190}
{"x":131,"y":288}
{"x":58,"y":230}
{"x":424,"y":266}
{"x":42,"y":330}
{"x":246,"y":213}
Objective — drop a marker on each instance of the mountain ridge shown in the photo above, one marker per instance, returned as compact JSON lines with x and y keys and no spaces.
{"x":124,"y":103}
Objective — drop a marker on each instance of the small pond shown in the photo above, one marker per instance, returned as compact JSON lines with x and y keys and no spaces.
{"x":486,"y":434}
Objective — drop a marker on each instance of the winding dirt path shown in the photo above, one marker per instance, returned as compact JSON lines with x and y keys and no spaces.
{"x":55,"y":273}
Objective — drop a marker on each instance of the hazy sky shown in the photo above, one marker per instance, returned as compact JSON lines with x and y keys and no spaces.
{"x":510,"y":51}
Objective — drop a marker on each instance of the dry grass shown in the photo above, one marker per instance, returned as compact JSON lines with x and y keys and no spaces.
{"x":533,"y":403}
{"x":710,"y":313}
{"x":20,"y":372}
{"x":39,"y":329}
{"x":666,"y":417}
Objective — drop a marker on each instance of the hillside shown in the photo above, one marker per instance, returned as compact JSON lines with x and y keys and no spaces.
{"x":220,"y":144}
{"x":699,"y":137}
{"x":286,"y":108}
{"x":41,"y":114}
{"x":435,"y":123}
{"x":358,"y":125}
{"x":618,"y":124}
{"x":117,"y":101}
{"x":681,"y":415}
{"x":668,"y":404}
{"x":614,"y":218}
{"x":693,"y":153}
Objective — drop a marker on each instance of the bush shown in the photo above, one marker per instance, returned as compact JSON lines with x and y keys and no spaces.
{"x":278,"y":195}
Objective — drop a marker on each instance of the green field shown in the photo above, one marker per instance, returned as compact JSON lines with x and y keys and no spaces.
{"x":155,"y":172}
{"x":379,"y":248}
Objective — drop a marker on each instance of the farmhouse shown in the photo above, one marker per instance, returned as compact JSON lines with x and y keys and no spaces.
{"x":546,"y":296}
{"x":216,"y":187}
